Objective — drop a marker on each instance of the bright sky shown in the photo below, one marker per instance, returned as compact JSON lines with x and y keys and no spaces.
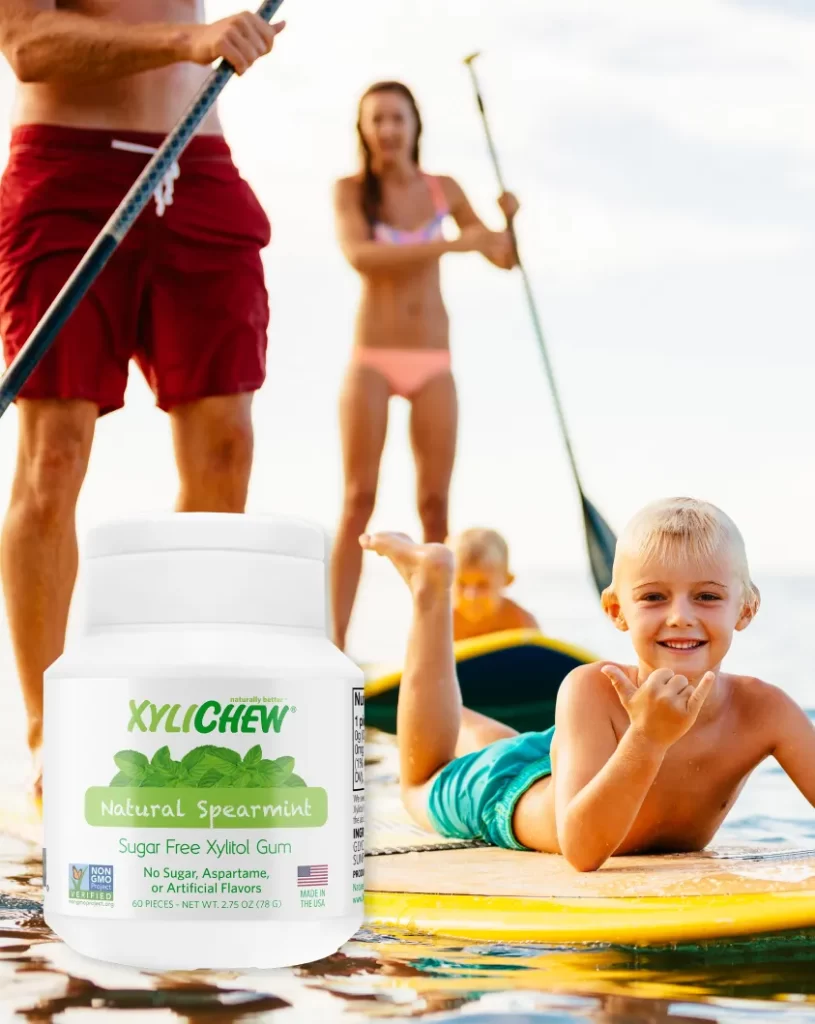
{"x":663,"y":154}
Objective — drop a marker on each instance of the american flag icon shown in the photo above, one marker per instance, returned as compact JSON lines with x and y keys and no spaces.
{"x":312,"y":874}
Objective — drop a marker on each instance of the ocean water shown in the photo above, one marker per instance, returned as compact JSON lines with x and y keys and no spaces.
{"x":401,"y":977}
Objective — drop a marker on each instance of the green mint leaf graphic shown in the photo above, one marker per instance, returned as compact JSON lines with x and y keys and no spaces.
{"x":194,"y":757}
{"x":223,"y":755}
{"x":155,"y":778}
{"x":163,"y":770}
{"x":205,"y":767}
{"x":266,"y":773}
{"x":253,"y":757}
{"x":271,"y":774}
{"x":131,"y":762}
{"x":228,"y":773}
{"x":285,"y":765}
{"x":211,"y":779}
{"x":162,"y":759}
{"x":194,"y":765}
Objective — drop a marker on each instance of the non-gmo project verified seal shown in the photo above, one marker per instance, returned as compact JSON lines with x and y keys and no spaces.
{"x":90,"y":882}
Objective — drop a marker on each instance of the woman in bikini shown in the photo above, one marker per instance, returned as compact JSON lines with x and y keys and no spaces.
{"x":389,"y":223}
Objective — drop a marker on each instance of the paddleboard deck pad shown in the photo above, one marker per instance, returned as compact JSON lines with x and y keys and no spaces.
{"x":418,"y":881}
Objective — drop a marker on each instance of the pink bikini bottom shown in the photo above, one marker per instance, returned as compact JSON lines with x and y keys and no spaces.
{"x":406,"y":370}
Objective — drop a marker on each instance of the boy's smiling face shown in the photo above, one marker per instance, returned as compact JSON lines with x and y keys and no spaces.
{"x":681,"y":616}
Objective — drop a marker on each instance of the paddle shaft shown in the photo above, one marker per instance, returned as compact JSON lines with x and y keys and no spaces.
{"x":121,"y":221}
{"x":530,"y":297}
{"x":600,"y":539}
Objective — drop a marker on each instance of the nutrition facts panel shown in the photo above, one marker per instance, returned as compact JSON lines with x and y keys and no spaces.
{"x":358,"y":711}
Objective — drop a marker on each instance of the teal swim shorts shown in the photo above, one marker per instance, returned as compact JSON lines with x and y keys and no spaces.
{"x":474,"y":797}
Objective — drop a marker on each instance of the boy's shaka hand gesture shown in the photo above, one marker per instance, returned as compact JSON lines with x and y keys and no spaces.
{"x":665,"y":706}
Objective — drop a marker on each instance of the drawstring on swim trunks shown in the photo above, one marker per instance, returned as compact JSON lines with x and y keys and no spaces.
{"x":163,"y":195}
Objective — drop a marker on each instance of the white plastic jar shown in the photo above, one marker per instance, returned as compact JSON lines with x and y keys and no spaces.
{"x":204,"y":751}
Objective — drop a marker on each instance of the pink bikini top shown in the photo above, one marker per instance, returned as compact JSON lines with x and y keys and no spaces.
{"x":428,"y":232}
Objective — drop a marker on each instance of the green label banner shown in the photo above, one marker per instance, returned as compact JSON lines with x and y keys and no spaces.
{"x":163,"y":807}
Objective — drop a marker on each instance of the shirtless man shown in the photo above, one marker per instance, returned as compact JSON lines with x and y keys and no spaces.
{"x":101,"y":82}
{"x":644,"y":757}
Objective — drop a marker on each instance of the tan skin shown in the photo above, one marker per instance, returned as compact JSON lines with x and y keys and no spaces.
{"x":107,"y":64}
{"x":80,"y":63}
{"x":479,"y":603}
{"x":647,"y":757}
{"x":401,"y":307}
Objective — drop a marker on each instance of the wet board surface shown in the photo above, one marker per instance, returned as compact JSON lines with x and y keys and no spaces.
{"x":435,"y":886}
{"x":488,"y":871}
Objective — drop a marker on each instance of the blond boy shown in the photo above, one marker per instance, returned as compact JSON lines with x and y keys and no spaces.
{"x":481,"y":576}
{"x":644,"y":757}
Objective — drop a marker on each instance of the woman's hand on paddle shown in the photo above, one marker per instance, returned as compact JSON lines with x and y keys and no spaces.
{"x":496,"y":246}
{"x":665,"y":706}
{"x":509,"y":205}
{"x":502,"y":250}
{"x":241,"y":39}
{"x":473,"y":238}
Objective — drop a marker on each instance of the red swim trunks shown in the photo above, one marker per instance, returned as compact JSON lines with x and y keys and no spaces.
{"x":184,"y":294}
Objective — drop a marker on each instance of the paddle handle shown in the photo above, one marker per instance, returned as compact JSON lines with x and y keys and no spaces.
{"x":527,"y":284}
{"x":120,"y":222}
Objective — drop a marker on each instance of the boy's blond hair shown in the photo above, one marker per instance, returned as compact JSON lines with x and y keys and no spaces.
{"x":675,"y":530}
{"x":478,"y":546}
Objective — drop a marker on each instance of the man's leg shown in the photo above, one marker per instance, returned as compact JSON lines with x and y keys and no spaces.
{"x":38,"y":551}
{"x":213,"y":443}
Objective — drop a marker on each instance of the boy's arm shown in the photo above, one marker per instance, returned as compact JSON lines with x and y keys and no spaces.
{"x":795,"y":743}
{"x":600,"y":784}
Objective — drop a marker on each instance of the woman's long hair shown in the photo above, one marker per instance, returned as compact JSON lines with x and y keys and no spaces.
{"x":371,"y":185}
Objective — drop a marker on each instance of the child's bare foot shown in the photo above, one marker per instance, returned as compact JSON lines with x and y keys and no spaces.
{"x":426,"y":568}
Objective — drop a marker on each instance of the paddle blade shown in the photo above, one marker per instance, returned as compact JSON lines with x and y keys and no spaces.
{"x":601,"y":542}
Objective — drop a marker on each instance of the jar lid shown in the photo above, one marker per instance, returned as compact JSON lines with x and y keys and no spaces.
{"x":207,"y":531}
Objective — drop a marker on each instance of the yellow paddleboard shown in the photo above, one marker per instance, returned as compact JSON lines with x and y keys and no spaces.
{"x":418,"y":881}
{"x":512,"y":896}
